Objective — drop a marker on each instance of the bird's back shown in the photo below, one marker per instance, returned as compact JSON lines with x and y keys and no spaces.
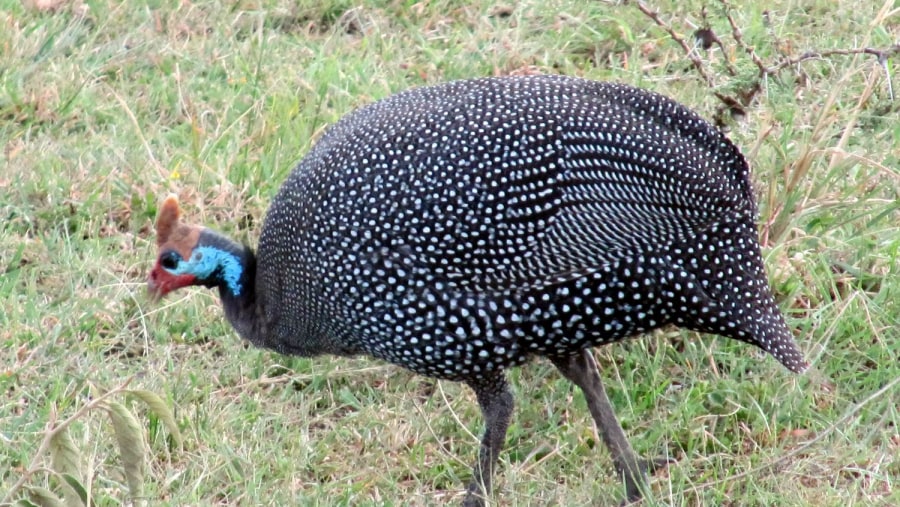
{"x":468,"y":225}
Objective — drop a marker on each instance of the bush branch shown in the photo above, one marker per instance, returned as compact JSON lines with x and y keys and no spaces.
{"x":745,"y":97}
{"x":883,"y":56}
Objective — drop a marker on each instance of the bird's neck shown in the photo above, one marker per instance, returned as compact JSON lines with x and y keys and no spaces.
{"x":235,"y":277}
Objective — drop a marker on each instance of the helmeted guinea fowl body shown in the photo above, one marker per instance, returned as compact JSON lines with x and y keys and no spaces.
{"x":461,"y":228}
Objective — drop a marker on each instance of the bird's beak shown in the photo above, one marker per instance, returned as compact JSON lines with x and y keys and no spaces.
{"x":160,"y":282}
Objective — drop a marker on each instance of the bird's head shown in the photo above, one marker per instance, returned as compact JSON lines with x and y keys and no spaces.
{"x":192,"y":255}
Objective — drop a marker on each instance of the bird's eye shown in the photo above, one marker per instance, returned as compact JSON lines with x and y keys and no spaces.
{"x":169,"y":260}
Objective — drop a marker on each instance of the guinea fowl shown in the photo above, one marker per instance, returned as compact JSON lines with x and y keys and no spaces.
{"x":458,"y":230}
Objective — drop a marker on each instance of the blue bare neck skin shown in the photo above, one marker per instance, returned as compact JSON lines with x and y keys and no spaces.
{"x":231,"y":267}
{"x":218,"y":261}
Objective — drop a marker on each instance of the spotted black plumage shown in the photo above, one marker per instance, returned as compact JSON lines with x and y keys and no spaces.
{"x":459,"y":229}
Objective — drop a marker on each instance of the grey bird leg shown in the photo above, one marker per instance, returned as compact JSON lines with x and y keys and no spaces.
{"x":582,"y":370}
{"x":496,"y":403}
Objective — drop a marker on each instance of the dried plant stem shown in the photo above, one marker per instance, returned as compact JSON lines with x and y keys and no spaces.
{"x":691,"y":54}
{"x":739,"y":39}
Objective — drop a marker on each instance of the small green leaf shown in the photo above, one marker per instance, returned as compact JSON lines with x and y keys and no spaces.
{"x":43,"y":497}
{"x":162,"y":410}
{"x":64,"y":456}
{"x":65,"y":460}
{"x":78,"y":488}
{"x":131,"y":445}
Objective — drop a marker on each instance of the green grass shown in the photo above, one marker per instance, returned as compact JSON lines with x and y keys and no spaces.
{"x":106,"y":107}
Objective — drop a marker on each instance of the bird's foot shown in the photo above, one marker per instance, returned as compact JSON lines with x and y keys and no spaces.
{"x":635,"y":487}
{"x":473,"y":500}
{"x":655,"y":464}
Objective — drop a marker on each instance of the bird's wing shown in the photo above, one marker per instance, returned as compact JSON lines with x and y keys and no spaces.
{"x":635,"y":173}
{"x":605,"y":172}
{"x":521,"y":181}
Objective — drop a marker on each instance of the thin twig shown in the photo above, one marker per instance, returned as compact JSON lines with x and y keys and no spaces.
{"x":739,"y":39}
{"x":745,"y":97}
{"x":882,"y":54}
{"x":691,"y":54}
{"x":717,"y":41}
